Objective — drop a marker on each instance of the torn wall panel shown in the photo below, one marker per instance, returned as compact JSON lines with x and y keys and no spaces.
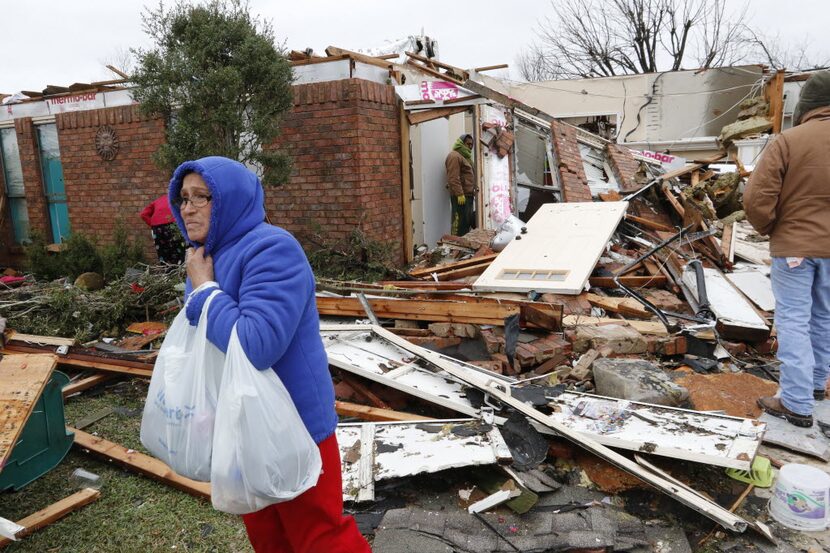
{"x":371,"y":452}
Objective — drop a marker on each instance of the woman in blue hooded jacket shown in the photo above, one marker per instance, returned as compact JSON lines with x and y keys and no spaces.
{"x":267,"y":291}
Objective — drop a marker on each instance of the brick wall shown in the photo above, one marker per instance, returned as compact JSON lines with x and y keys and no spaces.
{"x":624,"y":165}
{"x":344,"y":141}
{"x":30,"y":163}
{"x":9,"y":253}
{"x":571,"y":171}
{"x":101,"y":193}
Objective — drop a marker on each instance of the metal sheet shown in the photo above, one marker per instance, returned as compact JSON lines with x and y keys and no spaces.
{"x":371,"y":452}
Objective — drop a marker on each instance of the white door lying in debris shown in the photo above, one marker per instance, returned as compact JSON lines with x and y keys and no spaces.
{"x":371,"y":452}
{"x":726,"y":302}
{"x":562,"y":245}
{"x":718,"y":440}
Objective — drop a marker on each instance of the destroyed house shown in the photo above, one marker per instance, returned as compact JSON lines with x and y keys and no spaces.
{"x":367,"y":137}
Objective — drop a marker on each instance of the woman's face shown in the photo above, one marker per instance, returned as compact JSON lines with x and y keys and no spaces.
{"x":196,"y":219}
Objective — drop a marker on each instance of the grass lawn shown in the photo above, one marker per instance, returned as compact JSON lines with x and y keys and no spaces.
{"x":134,"y":513}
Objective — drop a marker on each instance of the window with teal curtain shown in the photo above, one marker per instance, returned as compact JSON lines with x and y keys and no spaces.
{"x":15,"y":191}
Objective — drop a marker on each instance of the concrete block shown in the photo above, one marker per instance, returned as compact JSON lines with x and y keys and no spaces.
{"x":619,"y":338}
{"x":637,"y":380}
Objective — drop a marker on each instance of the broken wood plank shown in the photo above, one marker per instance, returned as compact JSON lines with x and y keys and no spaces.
{"x":533,"y":314}
{"x":654,"y":225}
{"x":501,"y":392}
{"x":727,"y":242}
{"x":89,"y":362}
{"x":53,"y":513}
{"x":364,"y":412}
{"x":422,"y":116}
{"x":363,"y":390}
{"x":675,"y":203}
{"x":139,"y":462}
{"x":427,"y":272}
{"x":654,"y":281}
{"x":22,"y":380}
{"x":425,"y":285}
{"x":40,"y":340}
{"x":419,"y":310}
{"x":148,"y":327}
{"x":624,"y":306}
{"x":653,"y":328}
{"x":85,"y":384}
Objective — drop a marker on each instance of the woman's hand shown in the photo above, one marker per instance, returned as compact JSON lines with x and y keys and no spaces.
{"x":199,"y":266}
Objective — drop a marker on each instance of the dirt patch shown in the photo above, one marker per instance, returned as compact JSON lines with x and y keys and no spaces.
{"x":733,"y":393}
{"x":605,"y":476}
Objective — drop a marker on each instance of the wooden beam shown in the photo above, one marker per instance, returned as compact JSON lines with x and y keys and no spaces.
{"x":139,"y":462}
{"x":363,"y":58}
{"x":85,"y":384}
{"x":316,"y":60}
{"x":426,"y":285}
{"x":419,"y":310}
{"x":434,"y":73}
{"x":675,"y":203}
{"x":624,"y":306}
{"x":422,"y":116}
{"x":406,"y":188}
{"x":83,"y":361}
{"x":700,"y":164}
{"x":40,"y":340}
{"x":462,"y":74}
{"x":727,"y":242}
{"x":491,"y":67}
{"x":22,"y":380}
{"x":54,"y":512}
{"x":774,"y":92}
{"x":366,"y":413}
{"x":534,"y":314}
{"x":654,"y":225}
{"x":427,"y":272}
{"x":118,"y":72}
{"x":630,"y":281}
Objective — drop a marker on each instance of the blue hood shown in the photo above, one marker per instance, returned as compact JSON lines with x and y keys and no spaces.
{"x":237,"y":205}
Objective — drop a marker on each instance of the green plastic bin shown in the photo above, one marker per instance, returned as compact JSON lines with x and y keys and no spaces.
{"x":44,"y":441}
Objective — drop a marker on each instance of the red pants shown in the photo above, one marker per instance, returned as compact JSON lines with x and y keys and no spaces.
{"x":312,"y":522}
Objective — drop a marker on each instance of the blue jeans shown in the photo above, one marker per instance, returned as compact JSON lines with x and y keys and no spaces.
{"x":802,"y":320}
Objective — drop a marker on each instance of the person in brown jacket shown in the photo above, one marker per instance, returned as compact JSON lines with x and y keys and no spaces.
{"x":459,"y":165}
{"x":788,"y":198}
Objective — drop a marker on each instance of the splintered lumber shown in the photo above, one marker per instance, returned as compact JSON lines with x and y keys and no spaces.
{"x":22,"y":380}
{"x":366,"y":413}
{"x":40,"y":340}
{"x":652,"y":328}
{"x":727,"y":243}
{"x":427,"y":285}
{"x":419,"y":310}
{"x":533,"y":314}
{"x":81,"y":361}
{"x":654,"y":225}
{"x":85,"y":384}
{"x":54,"y":512}
{"x":653,"y":281}
{"x":450,"y":271}
{"x":139,"y":462}
{"x":624,"y":306}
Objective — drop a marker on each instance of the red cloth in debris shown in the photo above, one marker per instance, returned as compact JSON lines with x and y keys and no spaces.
{"x":158,"y":212}
{"x":11,"y":280}
{"x":312,"y":522}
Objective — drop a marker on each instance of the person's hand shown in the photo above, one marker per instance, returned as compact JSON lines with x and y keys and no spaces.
{"x":462,"y":199}
{"x":199,"y":266}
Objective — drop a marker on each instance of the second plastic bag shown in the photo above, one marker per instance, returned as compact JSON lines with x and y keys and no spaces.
{"x":177,"y":424}
{"x":262,"y":452}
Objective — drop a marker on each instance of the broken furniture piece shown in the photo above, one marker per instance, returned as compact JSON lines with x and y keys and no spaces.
{"x":33,"y":439}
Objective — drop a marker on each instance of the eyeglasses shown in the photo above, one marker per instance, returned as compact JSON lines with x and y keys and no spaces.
{"x":196,"y":201}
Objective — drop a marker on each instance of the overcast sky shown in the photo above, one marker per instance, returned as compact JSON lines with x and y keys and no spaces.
{"x":60,"y":42}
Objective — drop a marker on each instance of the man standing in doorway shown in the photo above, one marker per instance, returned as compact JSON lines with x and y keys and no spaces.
{"x":460,"y":181}
{"x":788,"y":197}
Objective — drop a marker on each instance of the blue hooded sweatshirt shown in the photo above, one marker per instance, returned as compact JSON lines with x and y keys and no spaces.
{"x":267,"y":289}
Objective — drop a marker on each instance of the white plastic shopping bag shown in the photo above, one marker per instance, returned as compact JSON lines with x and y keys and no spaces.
{"x":262,"y":452}
{"x":178,"y":421}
